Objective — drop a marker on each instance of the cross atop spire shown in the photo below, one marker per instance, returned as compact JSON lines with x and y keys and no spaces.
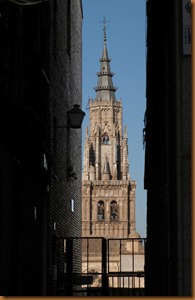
{"x":104,"y":28}
{"x":105,"y":89}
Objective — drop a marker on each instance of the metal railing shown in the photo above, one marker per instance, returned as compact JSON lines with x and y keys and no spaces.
{"x":100,"y":267}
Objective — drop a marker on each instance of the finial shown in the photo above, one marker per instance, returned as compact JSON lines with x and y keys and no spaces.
{"x":86,"y":132}
{"x":104,"y":28}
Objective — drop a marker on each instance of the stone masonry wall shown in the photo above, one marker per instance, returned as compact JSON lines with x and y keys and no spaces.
{"x":65,"y":143}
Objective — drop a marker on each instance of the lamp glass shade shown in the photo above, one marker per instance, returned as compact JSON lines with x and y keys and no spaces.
{"x":75,"y":116}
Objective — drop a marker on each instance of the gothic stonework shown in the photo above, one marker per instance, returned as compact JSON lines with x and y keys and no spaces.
{"x":108,"y":192}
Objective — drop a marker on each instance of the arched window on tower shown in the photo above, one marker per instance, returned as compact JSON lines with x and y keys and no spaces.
{"x":113,"y":211}
{"x":105,"y":139}
{"x":100,"y":210}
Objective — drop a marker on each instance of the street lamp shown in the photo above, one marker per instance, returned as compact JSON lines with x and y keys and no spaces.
{"x":75,"y":118}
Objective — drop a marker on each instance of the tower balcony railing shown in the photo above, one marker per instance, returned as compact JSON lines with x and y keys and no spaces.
{"x":105,"y":87}
{"x":105,"y":73}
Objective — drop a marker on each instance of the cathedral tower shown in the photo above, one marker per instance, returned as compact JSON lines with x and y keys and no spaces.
{"x":108,"y":192}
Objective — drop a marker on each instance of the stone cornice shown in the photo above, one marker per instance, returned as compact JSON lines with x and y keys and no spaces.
{"x":100,"y":103}
{"x":109,"y":184}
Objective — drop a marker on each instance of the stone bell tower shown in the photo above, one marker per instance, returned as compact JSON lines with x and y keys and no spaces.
{"x":108,"y":192}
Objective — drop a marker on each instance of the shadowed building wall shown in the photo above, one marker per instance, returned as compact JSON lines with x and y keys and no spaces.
{"x":168,"y":149}
{"x":40,"y":80}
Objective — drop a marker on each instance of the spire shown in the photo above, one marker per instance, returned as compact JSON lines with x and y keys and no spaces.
{"x":125,"y":132}
{"x":86,"y":133}
{"x":105,"y":89}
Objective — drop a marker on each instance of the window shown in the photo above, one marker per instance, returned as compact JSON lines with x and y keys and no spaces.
{"x":187,"y":35}
{"x":105,"y":139}
{"x":100,"y":210}
{"x":113,"y":211}
{"x":72,"y":205}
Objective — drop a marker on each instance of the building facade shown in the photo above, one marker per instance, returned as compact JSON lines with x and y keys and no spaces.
{"x":168,"y":149}
{"x":40,"y":184}
{"x":108,"y":192}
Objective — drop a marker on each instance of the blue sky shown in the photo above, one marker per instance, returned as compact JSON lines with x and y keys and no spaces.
{"x":126,"y":43}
